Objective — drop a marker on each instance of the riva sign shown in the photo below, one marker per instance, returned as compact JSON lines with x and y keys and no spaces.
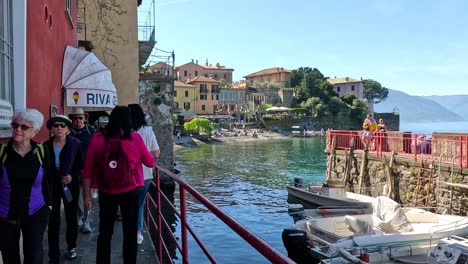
{"x":91,"y":98}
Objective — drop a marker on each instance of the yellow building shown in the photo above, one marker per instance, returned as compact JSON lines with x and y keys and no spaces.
{"x":207,"y":95}
{"x":111,"y":32}
{"x":184,"y":98}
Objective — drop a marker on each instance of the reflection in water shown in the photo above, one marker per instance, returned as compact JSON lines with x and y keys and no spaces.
{"x":248,"y":181}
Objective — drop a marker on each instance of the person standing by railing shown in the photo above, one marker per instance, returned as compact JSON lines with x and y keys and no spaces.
{"x":369,"y":126}
{"x":149,"y":138}
{"x":113,"y":165}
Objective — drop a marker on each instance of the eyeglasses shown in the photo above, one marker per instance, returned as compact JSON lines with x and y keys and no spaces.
{"x":57,"y":125}
{"x":78,"y":117}
{"x":23,"y":127}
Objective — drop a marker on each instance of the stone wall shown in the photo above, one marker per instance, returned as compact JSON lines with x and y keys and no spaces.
{"x":423,"y":183}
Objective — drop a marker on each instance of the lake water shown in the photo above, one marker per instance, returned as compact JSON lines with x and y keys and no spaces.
{"x":248,"y":181}
{"x":429,"y":127}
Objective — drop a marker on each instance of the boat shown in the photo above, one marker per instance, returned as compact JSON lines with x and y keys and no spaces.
{"x":389,"y":233}
{"x":450,"y":250}
{"x":323,"y":194}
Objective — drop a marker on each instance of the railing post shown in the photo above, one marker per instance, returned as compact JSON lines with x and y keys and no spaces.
{"x":466,"y":151}
{"x":460,"y":159}
{"x":183,"y":216}
{"x":415,"y":148}
{"x":158,"y":216}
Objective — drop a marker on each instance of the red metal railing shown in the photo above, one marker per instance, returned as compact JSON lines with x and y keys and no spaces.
{"x":159,"y":223}
{"x":435,"y":146}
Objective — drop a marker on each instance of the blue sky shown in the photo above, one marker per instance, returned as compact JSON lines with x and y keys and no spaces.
{"x":416,"y":46}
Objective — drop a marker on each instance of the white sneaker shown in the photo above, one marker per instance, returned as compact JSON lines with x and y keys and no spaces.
{"x":94,"y":193}
{"x":80,"y":220}
{"x":139,"y":238}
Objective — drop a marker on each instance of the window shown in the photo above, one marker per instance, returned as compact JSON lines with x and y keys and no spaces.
{"x":215,"y":108}
{"x":186,"y":93}
{"x":68,"y":10}
{"x":175,"y":93}
{"x":176,"y":105}
{"x":203,"y":97}
{"x":203,"y":88}
{"x":196,"y":73}
{"x":187,"y":106}
{"x":352,"y":87}
{"x":216,"y":76}
{"x":225,"y":76}
{"x":338,"y":89}
{"x":203,"y":108}
{"x":185,"y":73}
{"x":232,"y":107}
{"x":6,"y":51}
{"x":206,"y":75}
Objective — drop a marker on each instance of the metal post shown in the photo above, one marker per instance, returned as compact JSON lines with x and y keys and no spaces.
{"x":415,"y":148}
{"x":158,"y":216}
{"x":466,"y":151}
{"x":183,"y":216}
{"x":460,"y":159}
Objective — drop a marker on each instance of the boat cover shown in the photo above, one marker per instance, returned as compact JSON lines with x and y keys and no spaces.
{"x":388,"y":217}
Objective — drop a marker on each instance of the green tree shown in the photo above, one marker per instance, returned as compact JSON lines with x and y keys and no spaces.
{"x":199,"y":126}
{"x":312,"y":104}
{"x":298,"y":75}
{"x":374,"y":92}
{"x":335,"y":105}
{"x":263,"y":107}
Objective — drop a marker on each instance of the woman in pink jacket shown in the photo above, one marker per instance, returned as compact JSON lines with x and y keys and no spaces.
{"x":113,"y":166}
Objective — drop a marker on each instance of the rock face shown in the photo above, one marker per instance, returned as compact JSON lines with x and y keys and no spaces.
{"x":156,"y":99}
{"x":420,"y":184}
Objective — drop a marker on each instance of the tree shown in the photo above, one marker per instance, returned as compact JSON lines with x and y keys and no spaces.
{"x":263,"y":107}
{"x":199,"y":126}
{"x":374,"y":92}
{"x":335,"y":105}
{"x":298,"y":75}
{"x":224,"y":84}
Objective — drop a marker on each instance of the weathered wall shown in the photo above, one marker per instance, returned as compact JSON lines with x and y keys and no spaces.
{"x":415,"y":183}
{"x":156,"y":99}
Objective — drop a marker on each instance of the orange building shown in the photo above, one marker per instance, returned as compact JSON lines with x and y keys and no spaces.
{"x":279,"y":76}
{"x":193,"y":69}
{"x":207,"y":95}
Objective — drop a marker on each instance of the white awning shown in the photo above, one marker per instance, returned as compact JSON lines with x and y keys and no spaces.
{"x":86,"y":80}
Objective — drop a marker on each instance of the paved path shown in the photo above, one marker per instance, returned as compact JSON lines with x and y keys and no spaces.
{"x":86,"y":244}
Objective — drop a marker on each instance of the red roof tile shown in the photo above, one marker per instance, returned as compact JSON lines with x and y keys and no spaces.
{"x":268,"y":72}
{"x":202,"y":79}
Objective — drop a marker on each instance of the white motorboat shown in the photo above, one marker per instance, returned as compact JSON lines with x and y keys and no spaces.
{"x":390,"y":233}
{"x":450,"y":250}
{"x":322,"y":194}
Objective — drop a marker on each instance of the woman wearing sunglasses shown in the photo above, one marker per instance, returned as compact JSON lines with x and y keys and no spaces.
{"x":66,"y":164}
{"x":24,"y":190}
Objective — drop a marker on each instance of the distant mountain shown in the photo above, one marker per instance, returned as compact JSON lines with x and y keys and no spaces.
{"x":417,"y":108}
{"x":455,"y":103}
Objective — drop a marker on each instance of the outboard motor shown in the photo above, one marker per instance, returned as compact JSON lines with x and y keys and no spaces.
{"x":295,"y":242}
{"x":296,"y":211}
{"x":298,"y":182}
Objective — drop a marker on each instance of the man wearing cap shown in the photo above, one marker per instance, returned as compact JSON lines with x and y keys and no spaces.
{"x":83,"y":132}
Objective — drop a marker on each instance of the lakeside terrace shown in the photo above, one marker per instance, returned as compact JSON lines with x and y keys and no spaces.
{"x":445,"y":147}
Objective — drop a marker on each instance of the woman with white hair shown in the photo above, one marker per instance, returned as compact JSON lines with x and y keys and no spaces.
{"x":25,"y":200}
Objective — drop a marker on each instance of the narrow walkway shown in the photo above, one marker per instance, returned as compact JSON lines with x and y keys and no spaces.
{"x":86,"y":244}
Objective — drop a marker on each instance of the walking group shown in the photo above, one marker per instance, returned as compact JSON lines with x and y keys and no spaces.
{"x":35,"y":179}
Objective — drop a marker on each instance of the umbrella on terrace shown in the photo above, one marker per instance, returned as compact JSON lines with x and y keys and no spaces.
{"x":278,"y":109}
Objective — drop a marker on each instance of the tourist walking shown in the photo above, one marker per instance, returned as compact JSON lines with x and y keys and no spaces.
{"x":140,"y":125}
{"x":113,"y":165}
{"x":65,"y":170}
{"x":24,"y":190}
{"x":82,"y":131}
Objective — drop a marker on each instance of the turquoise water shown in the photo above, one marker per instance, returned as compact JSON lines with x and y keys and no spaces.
{"x":248,"y":181}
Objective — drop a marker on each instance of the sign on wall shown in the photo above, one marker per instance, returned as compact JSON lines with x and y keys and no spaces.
{"x":90,"y":98}
{"x":6,"y":113}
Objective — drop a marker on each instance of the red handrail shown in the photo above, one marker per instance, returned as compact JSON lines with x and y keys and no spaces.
{"x":407,"y":144}
{"x":254,"y":240}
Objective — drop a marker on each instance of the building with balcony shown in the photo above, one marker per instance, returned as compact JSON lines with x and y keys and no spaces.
{"x":193,"y":69}
{"x":231,"y":100}
{"x":184,"y":98}
{"x":111,"y":31}
{"x":278,"y":77}
{"x":207,"y":95}
{"x":347,"y":85}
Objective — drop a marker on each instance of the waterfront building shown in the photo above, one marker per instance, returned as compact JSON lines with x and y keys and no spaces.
{"x":207,"y":95}
{"x":192,"y":70}
{"x":112,"y":33}
{"x":349,"y":85}
{"x":278,"y":76}
{"x":32,"y":51}
{"x":232,"y":101}
{"x":184,"y":98}
{"x":161,"y":68}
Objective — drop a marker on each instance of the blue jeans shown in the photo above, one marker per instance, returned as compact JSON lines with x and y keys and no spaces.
{"x":141,"y":203}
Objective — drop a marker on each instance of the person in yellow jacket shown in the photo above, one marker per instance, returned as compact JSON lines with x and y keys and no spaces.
{"x":369,"y":126}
